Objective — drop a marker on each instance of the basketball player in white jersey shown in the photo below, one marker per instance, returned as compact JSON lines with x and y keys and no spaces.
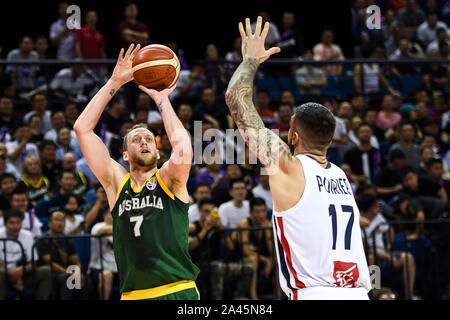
{"x":315,"y":217}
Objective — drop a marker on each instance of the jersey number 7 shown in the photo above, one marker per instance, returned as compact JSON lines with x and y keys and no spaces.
{"x":348,"y":229}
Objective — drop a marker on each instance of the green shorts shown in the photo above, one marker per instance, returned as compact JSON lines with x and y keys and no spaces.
{"x":188,"y":294}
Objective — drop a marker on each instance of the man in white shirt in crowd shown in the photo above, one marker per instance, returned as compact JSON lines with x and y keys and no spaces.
{"x":237,"y":209}
{"x":39,"y":104}
{"x":262,"y":190}
{"x":426,"y":33}
{"x":21,"y":148}
{"x":58,"y":122}
{"x":202,"y":191}
{"x":62,"y":37}
{"x":108,"y":263}
{"x":15,"y":262}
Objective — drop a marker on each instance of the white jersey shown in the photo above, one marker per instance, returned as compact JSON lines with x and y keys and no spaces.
{"x":318,"y":241}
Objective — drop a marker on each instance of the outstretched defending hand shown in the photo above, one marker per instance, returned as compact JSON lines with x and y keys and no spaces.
{"x":253,"y":44}
{"x":123,"y":71}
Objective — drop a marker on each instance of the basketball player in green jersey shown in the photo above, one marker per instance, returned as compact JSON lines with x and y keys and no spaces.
{"x":149,"y":205}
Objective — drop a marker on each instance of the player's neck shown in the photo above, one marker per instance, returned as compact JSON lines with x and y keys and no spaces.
{"x":319,"y":157}
{"x":140,"y":174}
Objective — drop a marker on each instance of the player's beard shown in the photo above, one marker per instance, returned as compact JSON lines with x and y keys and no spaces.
{"x":147,"y":162}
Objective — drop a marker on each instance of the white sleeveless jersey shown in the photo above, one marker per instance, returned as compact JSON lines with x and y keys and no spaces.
{"x":318,"y":241}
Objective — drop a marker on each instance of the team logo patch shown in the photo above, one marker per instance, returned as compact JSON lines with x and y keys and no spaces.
{"x":345,"y":273}
{"x":151,"y":184}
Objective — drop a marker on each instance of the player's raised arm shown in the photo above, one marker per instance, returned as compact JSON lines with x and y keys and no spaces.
{"x":174,"y":172}
{"x":267,"y":146}
{"x":94,"y":150}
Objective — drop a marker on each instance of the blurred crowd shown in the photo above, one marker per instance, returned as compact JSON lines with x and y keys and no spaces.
{"x":392,"y":142}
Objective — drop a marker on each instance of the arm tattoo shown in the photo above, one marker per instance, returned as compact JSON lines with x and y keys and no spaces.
{"x":268,"y":147}
{"x":160,"y":106}
{"x":112,"y":92}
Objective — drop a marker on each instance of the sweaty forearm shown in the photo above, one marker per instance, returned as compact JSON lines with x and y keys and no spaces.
{"x":91,"y":114}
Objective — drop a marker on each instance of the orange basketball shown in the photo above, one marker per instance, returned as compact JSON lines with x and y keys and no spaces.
{"x":156,"y":67}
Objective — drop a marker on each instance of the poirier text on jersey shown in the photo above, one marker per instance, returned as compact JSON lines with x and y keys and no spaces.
{"x":140,"y":203}
{"x":333,"y":186}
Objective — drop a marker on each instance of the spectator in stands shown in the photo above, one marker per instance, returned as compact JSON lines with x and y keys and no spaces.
{"x":389,"y":181}
{"x":364,"y":159}
{"x":388,"y":118}
{"x":71,"y":113}
{"x":19,"y":201}
{"x":384,"y":35}
{"x":327,"y":50}
{"x":262,"y":190}
{"x":103,"y":267}
{"x":434,"y":75}
{"x":62,"y":37}
{"x":435,"y":168}
{"x":233,"y":211}
{"x":373,"y":238}
{"x":201,"y":191}
{"x":19,"y":273}
{"x":173,"y":45}
{"x":211,"y":109}
{"x":132,"y":30}
{"x":50,"y":167}
{"x":66,"y":144}
{"x":185,"y":114}
{"x":283,"y":125}
{"x":257,"y":247}
{"x":215,"y":72}
{"x":370,"y":117}
{"x":82,"y":184}
{"x":5,"y":166}
{"x":221,"y":193}
{"x":355,"y":122}
{"x":263,"y":107}
{"x":21,"y":148}
{"x":430,"y":194}
{"x":68,"y":203}
{"x":235,"y":55}
{"x":22,"y":76}
{"x":340,"y":137}
{"x":426,"y":33}
{"x":441,"y":35}
{"x":291,"y":40}
{"x":90,"y":43}
{"x":113,"y":117}
{"x":58,"y":122}
{"x":406,"y":144}
{"x":35,"y":125}
{"x":287,"y":97}
{"x":191,"y":83}
{"x":406,"y":51}
{"x":7,"y":186}
{"x":359,"y":104}
{"x":60,"y":254}
{"x":65,"y":186}
{"x":310,"y":79}
{"x":273,"y":36}
{"x":368,"y":76}
{"x":205,"y":241}
{"x":363,"y":37}
{"x":411,"y":16}
{"x":39,"y":103}
{"x":426,"y":155}
{"x":37,"y":186}
{"x":95,"y":212}
{"x":7,"y":118}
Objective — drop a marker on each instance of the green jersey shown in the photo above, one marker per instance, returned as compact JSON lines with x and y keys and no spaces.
{"x":150,"y":236}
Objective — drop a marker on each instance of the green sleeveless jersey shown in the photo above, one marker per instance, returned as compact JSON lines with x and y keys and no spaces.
{"x":150,"y":236}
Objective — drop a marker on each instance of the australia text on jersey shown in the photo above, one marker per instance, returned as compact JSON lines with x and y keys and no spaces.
{"x":140,"y":203}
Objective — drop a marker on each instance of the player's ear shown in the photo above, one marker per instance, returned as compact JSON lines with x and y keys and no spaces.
{"x":125,"y":156}
{"x":157,"y":154}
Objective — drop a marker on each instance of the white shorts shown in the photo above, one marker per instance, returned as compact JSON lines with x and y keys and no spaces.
{"x":332,"y":293}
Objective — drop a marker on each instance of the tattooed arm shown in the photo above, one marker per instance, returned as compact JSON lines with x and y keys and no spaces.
{"x":107,"y":171}
{"x":174,"y":172}
{"x":268,"y":147}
